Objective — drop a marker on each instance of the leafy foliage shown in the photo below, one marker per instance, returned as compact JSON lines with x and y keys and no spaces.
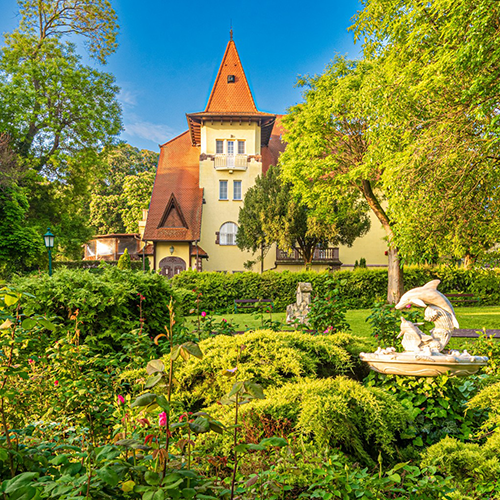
{"x":269,"y":358}
{"x":271,"y":215}
{"x":335,"y":412}
{"x":437,"y":405}
{"x":107,"y":302}
{"x":327,"y":314}
{"x":124,"y":261}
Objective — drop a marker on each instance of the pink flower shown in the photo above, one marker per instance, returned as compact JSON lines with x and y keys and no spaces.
{"x":224,"y":321}
{"x":121,"y":399}
{"x":162,"y":419}
{"x":408,"y":306}
{"x":203,"y":314}
{"x":56,"y":382}
{"x":30,"y":361}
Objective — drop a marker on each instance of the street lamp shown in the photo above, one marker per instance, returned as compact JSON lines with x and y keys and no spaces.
{"x":48,"y":239}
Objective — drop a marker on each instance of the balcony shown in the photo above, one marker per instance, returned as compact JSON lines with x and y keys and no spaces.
{"x":325,"y":256}
{"x":230,"y":162}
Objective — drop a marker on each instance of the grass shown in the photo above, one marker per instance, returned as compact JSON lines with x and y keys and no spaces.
{"x":468,"y":317}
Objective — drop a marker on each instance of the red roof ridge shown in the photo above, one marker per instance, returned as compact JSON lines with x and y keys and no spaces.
{"x":218,"y":95}
{"x":174,"y":138}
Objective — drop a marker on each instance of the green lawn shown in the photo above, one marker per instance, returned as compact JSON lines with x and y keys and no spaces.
{"x":468,"y":317}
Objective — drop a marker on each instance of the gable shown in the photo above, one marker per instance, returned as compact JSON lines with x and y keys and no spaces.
{"x":172,"y":216}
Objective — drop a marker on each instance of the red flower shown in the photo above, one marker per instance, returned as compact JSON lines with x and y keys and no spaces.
{"x":56,"y":382}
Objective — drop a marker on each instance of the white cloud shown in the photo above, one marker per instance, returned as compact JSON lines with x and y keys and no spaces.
{"x":127,"y":97}
{"x":145,"y":130}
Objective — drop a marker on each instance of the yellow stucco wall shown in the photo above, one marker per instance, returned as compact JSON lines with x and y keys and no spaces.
{"x":248,"y":132}
{"x":181,"y":250}
{"x":372,"y":247}
{"x":216,"y":212}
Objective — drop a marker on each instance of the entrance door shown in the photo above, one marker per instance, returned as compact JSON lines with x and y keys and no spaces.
{"x":230,"y":154}
{"x":170,"y":266}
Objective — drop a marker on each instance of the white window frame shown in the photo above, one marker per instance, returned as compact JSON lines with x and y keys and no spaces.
{"x":227,"y":234}
{"x":226,"y":184}
{"x":234,"y":190}
{"x":217,"y":142}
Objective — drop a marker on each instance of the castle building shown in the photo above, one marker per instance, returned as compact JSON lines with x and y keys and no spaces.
{"x":203,"y":175}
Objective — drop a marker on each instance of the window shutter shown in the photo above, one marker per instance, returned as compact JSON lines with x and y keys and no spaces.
{"x":217,"y":238}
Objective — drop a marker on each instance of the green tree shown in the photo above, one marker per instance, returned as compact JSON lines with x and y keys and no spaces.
{"x":439,"y":128}
{"x":124,"y":189}
{"x":270,"y":214}
{"x":124,"y":261}
{"x":22,"y":247}
{"x":330,"y":138}
{"x":56,"y":112}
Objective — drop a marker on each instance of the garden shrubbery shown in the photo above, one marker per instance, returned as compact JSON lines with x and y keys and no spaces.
{"x":359,"y":289}
{"x":331,"y":413}
{"x":269,"y":358}
{"x":106,"y":305}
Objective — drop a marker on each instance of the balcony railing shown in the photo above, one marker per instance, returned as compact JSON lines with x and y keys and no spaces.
{"x":231,"y":162}
{"x":320,"y":255}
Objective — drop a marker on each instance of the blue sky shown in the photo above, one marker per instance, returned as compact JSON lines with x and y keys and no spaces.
{"x":169,"y":54}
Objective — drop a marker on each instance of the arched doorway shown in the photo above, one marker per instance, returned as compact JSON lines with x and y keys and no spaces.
{"x":170,"y":266}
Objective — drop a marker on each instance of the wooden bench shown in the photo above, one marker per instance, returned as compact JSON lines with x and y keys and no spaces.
{"x":458,"y":299}
{"x":251,"y":304}
{"x":466,"y":333}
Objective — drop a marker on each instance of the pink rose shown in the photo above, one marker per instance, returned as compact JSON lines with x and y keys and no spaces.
{"x":121,"y":399}
{"x":203,"y":314}
{"x":162,"y":419}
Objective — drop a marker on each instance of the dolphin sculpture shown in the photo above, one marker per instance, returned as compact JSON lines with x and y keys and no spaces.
{"x":428,"y":295}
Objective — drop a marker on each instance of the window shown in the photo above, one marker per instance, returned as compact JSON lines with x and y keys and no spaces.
{"x":241,"y":147}
{"x":222,"y":190}
{"x":219,"y":147}
{"x":227,"y":233}
{"x":236,"y":190}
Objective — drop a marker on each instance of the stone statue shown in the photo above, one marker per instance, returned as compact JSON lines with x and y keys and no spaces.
{"x":422,"y":354}
{"x":300,"y":310}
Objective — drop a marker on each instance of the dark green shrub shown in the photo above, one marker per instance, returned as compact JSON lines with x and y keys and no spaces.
{"x":327,"y":314}
{"x":270,"y":358}
{"x":107,"y":302}
{"x":93,"y":264}
{"x":438,"y":405}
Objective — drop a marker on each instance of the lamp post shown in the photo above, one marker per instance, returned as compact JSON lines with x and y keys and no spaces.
{"x":48,"y":239}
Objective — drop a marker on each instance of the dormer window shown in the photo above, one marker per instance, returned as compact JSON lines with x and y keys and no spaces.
{"x":231,"y":78}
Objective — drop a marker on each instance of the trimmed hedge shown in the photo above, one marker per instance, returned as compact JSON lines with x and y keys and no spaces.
{"x":359,"y":288}
{"x":107,"y":300}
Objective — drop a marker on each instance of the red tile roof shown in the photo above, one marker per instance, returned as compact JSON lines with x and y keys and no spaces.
{"x":177,"y":174}
{"x":231,"y":97}
{"x":275,"y":147}
{"x":230,"y":101}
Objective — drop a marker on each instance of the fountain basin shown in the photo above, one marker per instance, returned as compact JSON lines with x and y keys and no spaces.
{"x":419,"y":365}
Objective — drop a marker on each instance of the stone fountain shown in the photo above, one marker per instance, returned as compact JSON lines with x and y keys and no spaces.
{"x":424,"y":355}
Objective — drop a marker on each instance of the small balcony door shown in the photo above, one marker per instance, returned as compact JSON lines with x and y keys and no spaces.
{"x":230,"y":154}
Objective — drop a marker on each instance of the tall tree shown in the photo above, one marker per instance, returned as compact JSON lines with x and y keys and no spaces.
{"x":271,"y":214}
{"x":124,"y":189}
{"x":441,"y":100}
{"x":330,"y":137}
{"x":57,"y":112}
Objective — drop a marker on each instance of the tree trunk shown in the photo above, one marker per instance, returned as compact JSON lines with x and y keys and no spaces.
{"x":394,"y":276}
{"x":262,"y":258}
{"x":395,"y":285}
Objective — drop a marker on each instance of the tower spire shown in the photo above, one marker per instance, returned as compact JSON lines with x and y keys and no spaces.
{"x":231,"y":32}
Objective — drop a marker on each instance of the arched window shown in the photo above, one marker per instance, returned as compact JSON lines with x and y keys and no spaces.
{"x":227,"y":233}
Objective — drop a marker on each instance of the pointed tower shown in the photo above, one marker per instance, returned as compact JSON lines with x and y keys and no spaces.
{"x":204,"y":174}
